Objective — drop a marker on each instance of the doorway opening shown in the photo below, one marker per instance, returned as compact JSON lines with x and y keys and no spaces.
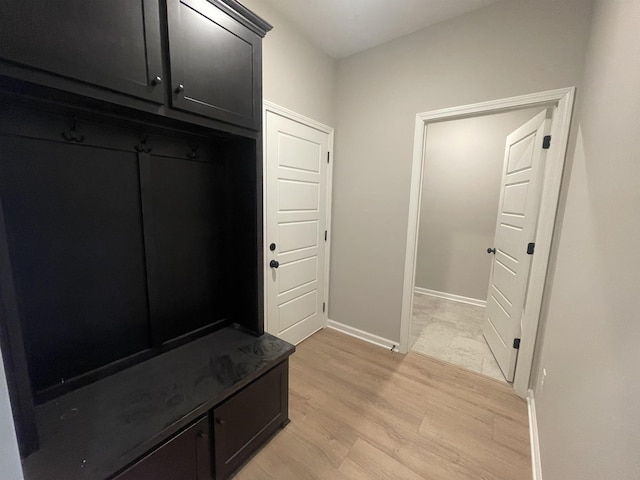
{"x":461,"y":188}
{"x":560,"y":105}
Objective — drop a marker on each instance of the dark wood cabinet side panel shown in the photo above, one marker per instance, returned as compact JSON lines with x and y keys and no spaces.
{"x":244,"y":199}
{"x":113,"y":44}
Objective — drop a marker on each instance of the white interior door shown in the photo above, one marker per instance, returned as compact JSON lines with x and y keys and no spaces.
{"x":515,"y":229}
{"x":296,"y":198}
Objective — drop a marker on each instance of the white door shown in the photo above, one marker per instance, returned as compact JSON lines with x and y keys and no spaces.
{"x":296,"y":198}
{"x":515,"y":229}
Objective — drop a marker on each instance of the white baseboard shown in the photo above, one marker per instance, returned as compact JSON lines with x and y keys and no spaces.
{"x":451,"y":296}
{"x":362,"y":335}
{"x":536,"y":464}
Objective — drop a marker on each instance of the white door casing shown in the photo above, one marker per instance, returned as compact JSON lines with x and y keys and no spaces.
{"x":515,"y":229}
{"x":561,"y":100}
{"x":296,"y":193}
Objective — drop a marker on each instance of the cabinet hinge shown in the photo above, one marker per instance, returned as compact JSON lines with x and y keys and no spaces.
{"x":530,"y":248}
{"x":325,"y":235}
{"x":516,"y":343}
{"x":546,"y":142}
{"x":328,"y":153}
{"x":324,"y":306}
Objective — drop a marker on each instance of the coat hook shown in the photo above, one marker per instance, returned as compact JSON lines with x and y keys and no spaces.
{"x":142,"y":147}
{"x":193,"y":154}
{"x":72,"y":135}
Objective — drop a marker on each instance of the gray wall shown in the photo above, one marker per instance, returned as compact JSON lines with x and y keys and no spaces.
{"x":588,"y":412}
{"x":460,"y":194}
{"x":509,"y":48}
{"x":296,"y":74}
{"x":10,"y":467}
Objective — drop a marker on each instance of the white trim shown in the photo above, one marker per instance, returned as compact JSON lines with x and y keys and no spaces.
{"x":562,"y":100}
{"x":536,"y":463}
{"x":362,"y":335}
{"x":450,"y":296}
{"x":296,"y":117}
{"x":312,"y":333}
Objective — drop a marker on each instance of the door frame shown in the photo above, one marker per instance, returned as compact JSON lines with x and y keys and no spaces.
{"x":563,"y":100}
{"x":296,"y":117}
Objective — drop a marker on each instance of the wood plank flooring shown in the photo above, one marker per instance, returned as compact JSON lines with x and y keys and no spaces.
{"x":359,"y":412}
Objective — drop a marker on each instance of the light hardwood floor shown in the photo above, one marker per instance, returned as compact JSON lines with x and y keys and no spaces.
{"x":360,"y":412}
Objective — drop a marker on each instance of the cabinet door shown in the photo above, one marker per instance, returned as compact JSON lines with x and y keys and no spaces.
{"x":187,"y":456}
{"x":110,"y":43}
{"x":215,"y":63}
{"x":243,"y":423}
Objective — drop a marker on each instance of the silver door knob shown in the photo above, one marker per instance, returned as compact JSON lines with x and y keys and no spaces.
{"x":156,"y":81}
{"x":179,"y":88}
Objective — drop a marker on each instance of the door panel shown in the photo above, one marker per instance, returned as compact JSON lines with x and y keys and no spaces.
{"x":295,"y":195}
{"x":296,"y":236}
{"x":516,"y":225}
{"x":296,"y":217}
{"x":297,"y":310}
{"x":298,"y":273}
{"x":299,"y":153}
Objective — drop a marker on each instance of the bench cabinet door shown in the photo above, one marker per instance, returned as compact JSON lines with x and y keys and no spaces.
{"x":243,"y":423}
{"x":186,"y":456}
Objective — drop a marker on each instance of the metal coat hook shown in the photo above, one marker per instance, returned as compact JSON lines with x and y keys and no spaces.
{"x":72,"y":135}
{"x":142,"y":147}
{"x":193,"y":154}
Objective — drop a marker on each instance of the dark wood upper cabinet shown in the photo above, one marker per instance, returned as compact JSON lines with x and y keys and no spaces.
{"x":112,"y":44}
{"x":215,"y":62}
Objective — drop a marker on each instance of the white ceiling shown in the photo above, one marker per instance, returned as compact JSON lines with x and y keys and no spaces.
{"x":344,"y":27}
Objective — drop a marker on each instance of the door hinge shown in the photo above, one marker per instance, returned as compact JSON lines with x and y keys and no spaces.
{"x":530,"y":248}
{"x":546,"y":142}
{"x":516,"y":343}
{"x":325,"y":235}
{"x":324,"y":306}
{"x":328,"y":153}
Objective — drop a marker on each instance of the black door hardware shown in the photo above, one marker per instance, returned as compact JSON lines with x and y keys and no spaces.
{"x":272,"y":247}
{"x":274,"y":264}
{"x":491,"y":250}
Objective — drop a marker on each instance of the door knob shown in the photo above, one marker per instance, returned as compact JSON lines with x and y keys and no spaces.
{"x":179,"y":88}
{"x":274,"y":264}
{"x":156,"y":81}
{"x":491,"y":250}
{"x":272,"y":247}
